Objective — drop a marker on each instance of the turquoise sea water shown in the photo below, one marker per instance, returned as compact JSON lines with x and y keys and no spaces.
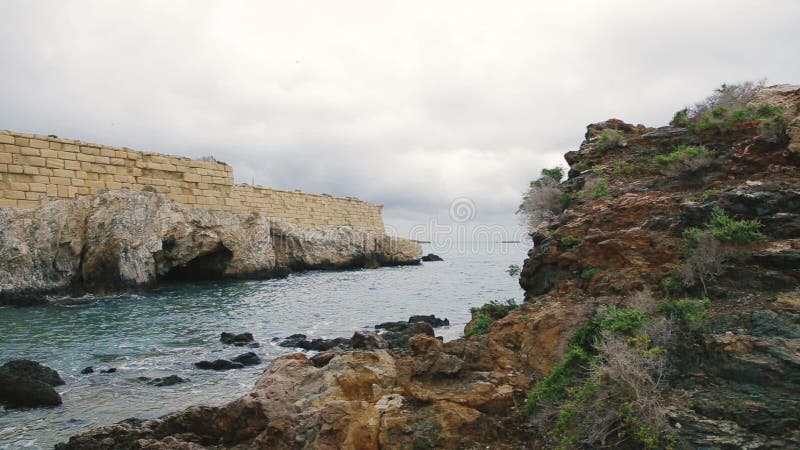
{"x":165,"y":331}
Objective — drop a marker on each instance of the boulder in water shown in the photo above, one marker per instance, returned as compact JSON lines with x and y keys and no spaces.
{"x":248,"y":359}
{"x":218,"y":364}
{"x":238,"y":340}
{"x":434,"y":321}
{"x":430,"y":257}
{"x":25,"y":383}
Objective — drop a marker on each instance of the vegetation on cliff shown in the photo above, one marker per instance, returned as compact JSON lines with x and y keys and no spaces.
{"x":671,"y":232}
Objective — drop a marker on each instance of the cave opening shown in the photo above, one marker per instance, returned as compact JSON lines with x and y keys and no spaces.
{"x":210,"y":266}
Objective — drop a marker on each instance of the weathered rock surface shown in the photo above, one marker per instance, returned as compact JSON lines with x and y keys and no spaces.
{"x":25,"y":383}
{"x":128,"y":239}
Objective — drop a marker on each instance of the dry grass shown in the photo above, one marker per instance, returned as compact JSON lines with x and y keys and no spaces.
{"x":542,"y":202}
{"x":706,"y":261}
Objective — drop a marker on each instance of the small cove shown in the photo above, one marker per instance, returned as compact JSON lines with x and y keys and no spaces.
{"x":165,"y":331}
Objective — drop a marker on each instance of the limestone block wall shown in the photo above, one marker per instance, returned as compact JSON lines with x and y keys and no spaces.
{"x":36,"y":169}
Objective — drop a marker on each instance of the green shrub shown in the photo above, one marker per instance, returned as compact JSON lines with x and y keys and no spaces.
{"x":580,"y":166}
{"x":770,"y":117}
{"x":485,"y":315}
{"x":671,"y":286}
{"x":609,"y":139}
{"x":626,"y":169}
{"x":727,"y":230}
{"x":622,"y":320}
{"x":566,"y":199}
{"x":687,"y":314}
{"x":589,"y":273}
{"x":496,"y":309}
{"x":570,"y":241}
{"x":552,"y":388}
{"x":683,"y":153}
{"x":680,"y":119}
{"x":513,"y":270}
{"x":601,"y":190}
{"x":556,"y":173}
{"x":480,"y":326}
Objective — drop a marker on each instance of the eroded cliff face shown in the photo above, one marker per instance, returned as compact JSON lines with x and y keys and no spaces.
{"x":125,"y":239}
{"x":735,"y":382}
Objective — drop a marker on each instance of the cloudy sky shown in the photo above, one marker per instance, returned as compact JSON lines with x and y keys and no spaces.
{"x":410,"y":104}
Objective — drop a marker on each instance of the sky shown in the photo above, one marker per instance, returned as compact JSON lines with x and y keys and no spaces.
{"x":442,"y":111}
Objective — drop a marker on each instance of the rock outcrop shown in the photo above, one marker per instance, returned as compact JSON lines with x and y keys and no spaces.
{"x":735,"y":379}
{"x":125,"y":239}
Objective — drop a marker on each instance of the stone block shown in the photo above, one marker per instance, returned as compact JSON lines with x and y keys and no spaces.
{"x":72,"y":165}
{"x":108,"y":152}
{"x":33,"y":195}
{"x":15,"y":195}
{"x":102,"y":160}
{"x":60,"y":181}
{"x":54,"y":163}
{"x":78,"y":182}
{"x":7,"y":202}
{"x":38,"y":143}
{"x":10,"y":148}
{"x":96,"y":184}
{"x":55,"y":145}
{"x":5,"y":158}
{"x":22,"y":141}
{"x":47,"y":153}
{"x":190,"y":177}
{"x":90,"y":151}
{"x":84,"y":157}
{"x":38,"y":187}
{"x":28,"y":151}
{"x":6,"y":139}
{"x":64,"y":173}
{"x":72,"y":148}
{"x":27,"y":204}
{"x":52,"y":190}
{"x":29,"y":170}
{"x":63,"y":192}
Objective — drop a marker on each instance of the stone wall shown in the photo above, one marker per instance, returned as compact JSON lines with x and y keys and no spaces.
{"x":36,"y":169}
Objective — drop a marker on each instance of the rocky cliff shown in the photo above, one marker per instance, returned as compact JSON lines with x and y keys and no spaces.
{"x":662,"y":311}
{"x":124,"y":239}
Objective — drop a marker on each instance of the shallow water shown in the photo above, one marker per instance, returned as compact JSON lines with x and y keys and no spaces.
{"x":164,"y":332}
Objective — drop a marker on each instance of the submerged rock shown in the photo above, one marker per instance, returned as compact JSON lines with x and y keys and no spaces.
{"x":109,"y":370}
{"x":218,"y":364}
{"x":124,"y":239}
{"x":170,"y":380}
{"x":87,"y":370}
{"x":238,"y":340}
{"x":25,"y":383}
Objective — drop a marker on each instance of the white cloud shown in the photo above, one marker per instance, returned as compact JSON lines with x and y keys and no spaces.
{"x":410,"y":104}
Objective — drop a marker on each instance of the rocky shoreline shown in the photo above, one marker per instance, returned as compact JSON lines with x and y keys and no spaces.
{"x":124,"y":240}
{"x":662,"y":311}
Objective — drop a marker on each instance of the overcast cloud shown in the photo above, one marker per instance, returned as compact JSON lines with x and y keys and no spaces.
{"x":409,"y":104}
